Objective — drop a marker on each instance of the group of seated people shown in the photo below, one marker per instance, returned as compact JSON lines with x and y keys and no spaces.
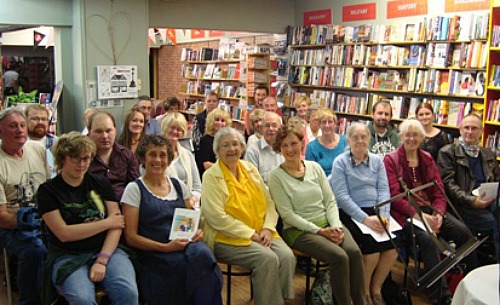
{"x":108,"y":220}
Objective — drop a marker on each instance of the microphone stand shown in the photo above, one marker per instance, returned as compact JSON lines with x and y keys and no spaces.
{"x":453,"y":256}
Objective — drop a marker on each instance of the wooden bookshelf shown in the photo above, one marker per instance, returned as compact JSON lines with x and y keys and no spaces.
{"x":349,"y":68}
{"x":491,"y":118}
{"x":258,"y":68}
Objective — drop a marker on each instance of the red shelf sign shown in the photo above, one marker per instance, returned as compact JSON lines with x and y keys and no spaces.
{"x":318,"y":17}
{"x":366,"y":11}
{"x":406,"y":8}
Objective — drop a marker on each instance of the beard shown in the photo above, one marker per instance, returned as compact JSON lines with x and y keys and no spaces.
{"x":38,"y":132}
{"x":381,"y":123}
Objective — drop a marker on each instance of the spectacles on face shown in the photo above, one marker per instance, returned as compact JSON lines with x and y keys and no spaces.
{"x":38,"y":119}
{"x":78,"y":159}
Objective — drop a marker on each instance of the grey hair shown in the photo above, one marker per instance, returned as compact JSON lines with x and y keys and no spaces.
{"x":270,"y":113}
{"x":10,"y":111}
{"x":229,"y":131}
{"x":354,"y":126}
{"x":411,"y":123}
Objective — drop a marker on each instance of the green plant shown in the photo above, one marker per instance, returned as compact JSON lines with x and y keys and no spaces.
{"x":22,"y":97}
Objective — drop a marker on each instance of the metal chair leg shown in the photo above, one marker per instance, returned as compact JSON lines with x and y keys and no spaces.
{"x":7,"y":276}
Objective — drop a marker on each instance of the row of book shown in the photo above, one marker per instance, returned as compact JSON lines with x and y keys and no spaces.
{"x":494,"y":80}
{"x":493,"y":114}
{"x":446,"y":112}
{"x":231,"y":52}
{"x":493,"y":142}
{"x":495,"y":36}
{"x":200,"y":87}
{"x":439,"y":55}
{"x":454,"y":82}
{"x":456,"y":28}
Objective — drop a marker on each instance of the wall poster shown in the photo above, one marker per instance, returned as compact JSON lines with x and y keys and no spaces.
{"x":116,"y":82}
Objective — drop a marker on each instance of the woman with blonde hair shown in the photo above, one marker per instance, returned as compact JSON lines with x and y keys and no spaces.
{"x":329,"y":145}
{"x":301,"y":104}
{"x":134,"y":129}
{"x":256,"y":118}
{"x":205,"y":156}
{"x":183,"y":165}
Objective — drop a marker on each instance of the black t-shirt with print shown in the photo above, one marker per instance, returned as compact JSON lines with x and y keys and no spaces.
{"x":77,"y":205}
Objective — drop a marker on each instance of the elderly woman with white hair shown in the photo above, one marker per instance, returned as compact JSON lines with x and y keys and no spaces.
{"x":240,"y":221}
{"x":414,"y":167}
{"x":359,"y":182}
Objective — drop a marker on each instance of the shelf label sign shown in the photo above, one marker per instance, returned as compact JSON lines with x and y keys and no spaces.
{"x":216,"y":33}
{"x":406,"y":8}
{"x":466,"y":5}
{"x":197,"y":34}
{"x":366,"y":11}
{"x":318,"y":17}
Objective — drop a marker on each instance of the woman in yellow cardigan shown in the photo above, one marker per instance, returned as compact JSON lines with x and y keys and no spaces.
{"x":240,"y":221}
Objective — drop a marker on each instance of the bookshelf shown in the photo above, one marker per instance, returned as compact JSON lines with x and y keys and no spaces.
{"x":491,"y":117}
{"x":440,"y":60}
{"x":256,"y":72}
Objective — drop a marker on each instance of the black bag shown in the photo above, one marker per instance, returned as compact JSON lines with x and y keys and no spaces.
{"x":394,"y":294}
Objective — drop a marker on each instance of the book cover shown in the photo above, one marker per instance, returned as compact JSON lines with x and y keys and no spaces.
{"x":441,"y":55}
{"x":466,"y":83}
{"x":416,"y":54}
{"x":184,"y":224}
{"x":480,"y":83}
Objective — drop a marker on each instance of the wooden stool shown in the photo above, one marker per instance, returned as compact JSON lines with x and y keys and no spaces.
{"x":230,"y":273}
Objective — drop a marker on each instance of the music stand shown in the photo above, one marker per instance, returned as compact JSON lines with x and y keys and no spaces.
{"x":453,"y":256}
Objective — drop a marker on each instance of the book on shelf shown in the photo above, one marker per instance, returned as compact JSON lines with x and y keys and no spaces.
{"x":209,"y":71}
{"x":440,"y":59}
{"x":467,"y":84}
{"x":416,"y":55}
{"x":206,"y":54}
{"x":480,"y":83}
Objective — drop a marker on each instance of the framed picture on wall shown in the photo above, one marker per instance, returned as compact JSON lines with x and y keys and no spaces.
{"x":116,"y":82}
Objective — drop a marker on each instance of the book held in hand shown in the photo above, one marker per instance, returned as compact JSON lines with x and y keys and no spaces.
{"x":185,"y":224}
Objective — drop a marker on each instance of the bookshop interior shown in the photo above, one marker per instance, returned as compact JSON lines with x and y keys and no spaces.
{"x":324,"y":66}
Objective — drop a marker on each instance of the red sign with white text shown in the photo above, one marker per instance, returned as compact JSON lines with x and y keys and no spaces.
{"x":216,"y":33}
{"x":466,"y":5}
{"x":318,"y":17}
{"x":406,"y":8}
{"x":197,"y":34}
{"x":366,"y":11}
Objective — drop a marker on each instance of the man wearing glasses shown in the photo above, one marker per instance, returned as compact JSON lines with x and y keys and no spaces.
{"x":23,"y":168}
{"x":145,"y":105}
{"x":38,"y":126}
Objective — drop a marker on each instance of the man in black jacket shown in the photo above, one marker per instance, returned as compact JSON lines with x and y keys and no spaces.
{"x":463,"y":167}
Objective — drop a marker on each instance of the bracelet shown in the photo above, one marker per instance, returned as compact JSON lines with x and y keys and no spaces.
{"x":102,"y":254}
{"x":100,"y":263}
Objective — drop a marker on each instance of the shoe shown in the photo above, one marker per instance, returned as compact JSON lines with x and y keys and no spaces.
{"x":377,"y":299}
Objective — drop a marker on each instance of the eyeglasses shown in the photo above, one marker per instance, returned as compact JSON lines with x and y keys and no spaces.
{"x":78,"y":159}
{"x":363,"y":139}
{"x":38,"y":119}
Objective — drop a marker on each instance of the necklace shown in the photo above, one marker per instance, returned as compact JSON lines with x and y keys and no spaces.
{"x":414,"y":172}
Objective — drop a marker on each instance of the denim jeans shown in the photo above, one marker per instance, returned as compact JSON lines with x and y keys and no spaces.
{"x":119,"y":282}
{"x":30,"y":258}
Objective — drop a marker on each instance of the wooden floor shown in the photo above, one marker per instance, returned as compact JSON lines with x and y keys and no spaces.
{"x":240,"y":294}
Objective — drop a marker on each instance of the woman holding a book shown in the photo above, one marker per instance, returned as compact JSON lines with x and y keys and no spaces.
{"x":310,"y":216}
{"x":240,"y":221}
{"x":84,"y":221}
{"x":329,"y":145}
{"x":134,"y":129}
{"x":434,"y":138}
{"x":359,"y":182}
{"x":178,"y":271}
{"x":183,"y":165}
{"x":409,"y":167}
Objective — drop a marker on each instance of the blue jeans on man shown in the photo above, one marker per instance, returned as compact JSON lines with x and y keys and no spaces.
{"x":119,"y":281}
{"x":30,"y":258}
